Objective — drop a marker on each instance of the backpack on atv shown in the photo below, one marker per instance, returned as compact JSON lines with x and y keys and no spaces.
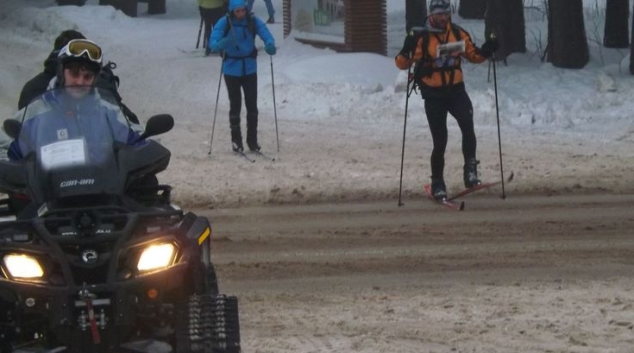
{"x":107,"y":80}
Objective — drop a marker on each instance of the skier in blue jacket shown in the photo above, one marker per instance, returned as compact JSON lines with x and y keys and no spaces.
{"x":235,"y":34}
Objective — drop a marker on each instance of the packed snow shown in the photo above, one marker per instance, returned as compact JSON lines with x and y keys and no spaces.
{"x":340,"y":116}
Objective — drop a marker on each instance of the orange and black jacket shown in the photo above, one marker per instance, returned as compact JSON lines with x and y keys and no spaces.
{"x":437,"y":73}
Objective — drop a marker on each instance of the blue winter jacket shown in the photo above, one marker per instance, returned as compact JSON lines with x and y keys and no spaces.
{"x":97,"y":120}
{"x":240,"y":54}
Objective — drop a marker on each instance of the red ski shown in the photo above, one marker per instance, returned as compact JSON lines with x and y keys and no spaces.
{"x":480,"y":187}
{"x":456,"y":206}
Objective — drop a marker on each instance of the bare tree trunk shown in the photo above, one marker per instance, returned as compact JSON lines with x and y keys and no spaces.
{"x":505,"y":18}
{"x":567,"y":41}
{"x":415,"y":13}
{"x":632,"y":48}
{"x":517,"y":25}
{"x":617,"y":15}
{"x":472,"y":9}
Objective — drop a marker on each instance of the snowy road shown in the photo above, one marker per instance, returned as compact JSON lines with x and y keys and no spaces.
{"x":528,"y":274}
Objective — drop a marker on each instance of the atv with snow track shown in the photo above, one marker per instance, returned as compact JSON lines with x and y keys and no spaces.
{"x":93,"y":255}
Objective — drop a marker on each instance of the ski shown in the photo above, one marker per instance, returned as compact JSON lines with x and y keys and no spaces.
{"x":194,"y":52}
{"x":198,"y":53}
{"x":480,"y":187}
{"x":456,"y":206}
{"x":242,"y":154}
{"x":264,"y":155}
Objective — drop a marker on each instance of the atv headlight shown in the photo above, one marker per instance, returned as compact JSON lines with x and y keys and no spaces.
{"x":156,"y":256}
{"x":23,"y":266}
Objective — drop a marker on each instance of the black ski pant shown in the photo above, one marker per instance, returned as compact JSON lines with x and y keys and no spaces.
{"x":459,"y":106}
{"x":210,"y":17}
{"x":249,"y":85}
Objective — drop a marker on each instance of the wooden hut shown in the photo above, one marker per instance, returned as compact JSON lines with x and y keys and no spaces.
{"x":342,"y":25}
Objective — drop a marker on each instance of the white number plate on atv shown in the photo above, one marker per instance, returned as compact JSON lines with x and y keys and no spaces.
{"x":63,"y":154}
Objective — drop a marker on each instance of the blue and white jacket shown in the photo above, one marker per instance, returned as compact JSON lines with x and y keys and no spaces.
{"x":240,"y":55}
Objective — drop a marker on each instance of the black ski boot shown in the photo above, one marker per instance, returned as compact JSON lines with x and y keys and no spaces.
{"x":236,"y":135}
{"x":438,"y":189}
{"x":252,"y":137}
{"x":253,"y":146}
{"x":471,"y":173}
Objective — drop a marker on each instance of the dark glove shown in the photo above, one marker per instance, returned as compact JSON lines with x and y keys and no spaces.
{"x":270,"y":49}
{"x":489,"y":47}
{"x":409,"y":45}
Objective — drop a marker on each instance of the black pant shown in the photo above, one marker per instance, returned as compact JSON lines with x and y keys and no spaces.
{"x":248,"y":84}
{"x":436,"y":108}
{"x":210,"y":17}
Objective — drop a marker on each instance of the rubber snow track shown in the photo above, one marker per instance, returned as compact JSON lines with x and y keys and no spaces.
{"x":526,"y":274}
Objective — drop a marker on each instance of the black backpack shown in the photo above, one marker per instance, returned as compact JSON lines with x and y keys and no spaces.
{"x":107,"y":80}
{"x":420,"y":70}
{"x":250,"y":27}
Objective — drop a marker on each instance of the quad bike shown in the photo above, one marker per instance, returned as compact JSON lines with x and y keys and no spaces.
{"x":93,"y":255}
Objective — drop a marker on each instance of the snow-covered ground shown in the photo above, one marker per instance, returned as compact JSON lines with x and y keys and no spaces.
{"x":340,"y":117}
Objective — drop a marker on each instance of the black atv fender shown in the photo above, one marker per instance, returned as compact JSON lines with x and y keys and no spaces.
{"x":199,"y":236}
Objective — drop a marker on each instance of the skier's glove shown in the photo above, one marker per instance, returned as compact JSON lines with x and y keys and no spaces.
{"x":269,"y":48}
{"x":489,"y":47}
{"x":409,"y":45}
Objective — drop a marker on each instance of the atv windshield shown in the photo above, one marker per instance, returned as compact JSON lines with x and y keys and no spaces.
{"x":72,"y":135}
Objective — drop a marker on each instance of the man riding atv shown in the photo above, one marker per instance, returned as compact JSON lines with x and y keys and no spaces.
{"x":71,"y":91}
{"x":79,"y":64}
{"x":87,"y":266}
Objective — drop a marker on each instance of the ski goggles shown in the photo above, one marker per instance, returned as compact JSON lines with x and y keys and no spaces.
{"x":82,"y":47}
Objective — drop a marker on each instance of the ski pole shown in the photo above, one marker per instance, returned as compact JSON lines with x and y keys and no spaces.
{"x":497,"y":112}
{"x":489,"y":73}
{"x":200,"y":29}
{"x":400,"y":187}
{"x":277,"y":135}
{"x":213,"y":126}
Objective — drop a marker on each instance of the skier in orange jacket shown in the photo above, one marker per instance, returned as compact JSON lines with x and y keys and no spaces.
{"x":437,"y":52}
